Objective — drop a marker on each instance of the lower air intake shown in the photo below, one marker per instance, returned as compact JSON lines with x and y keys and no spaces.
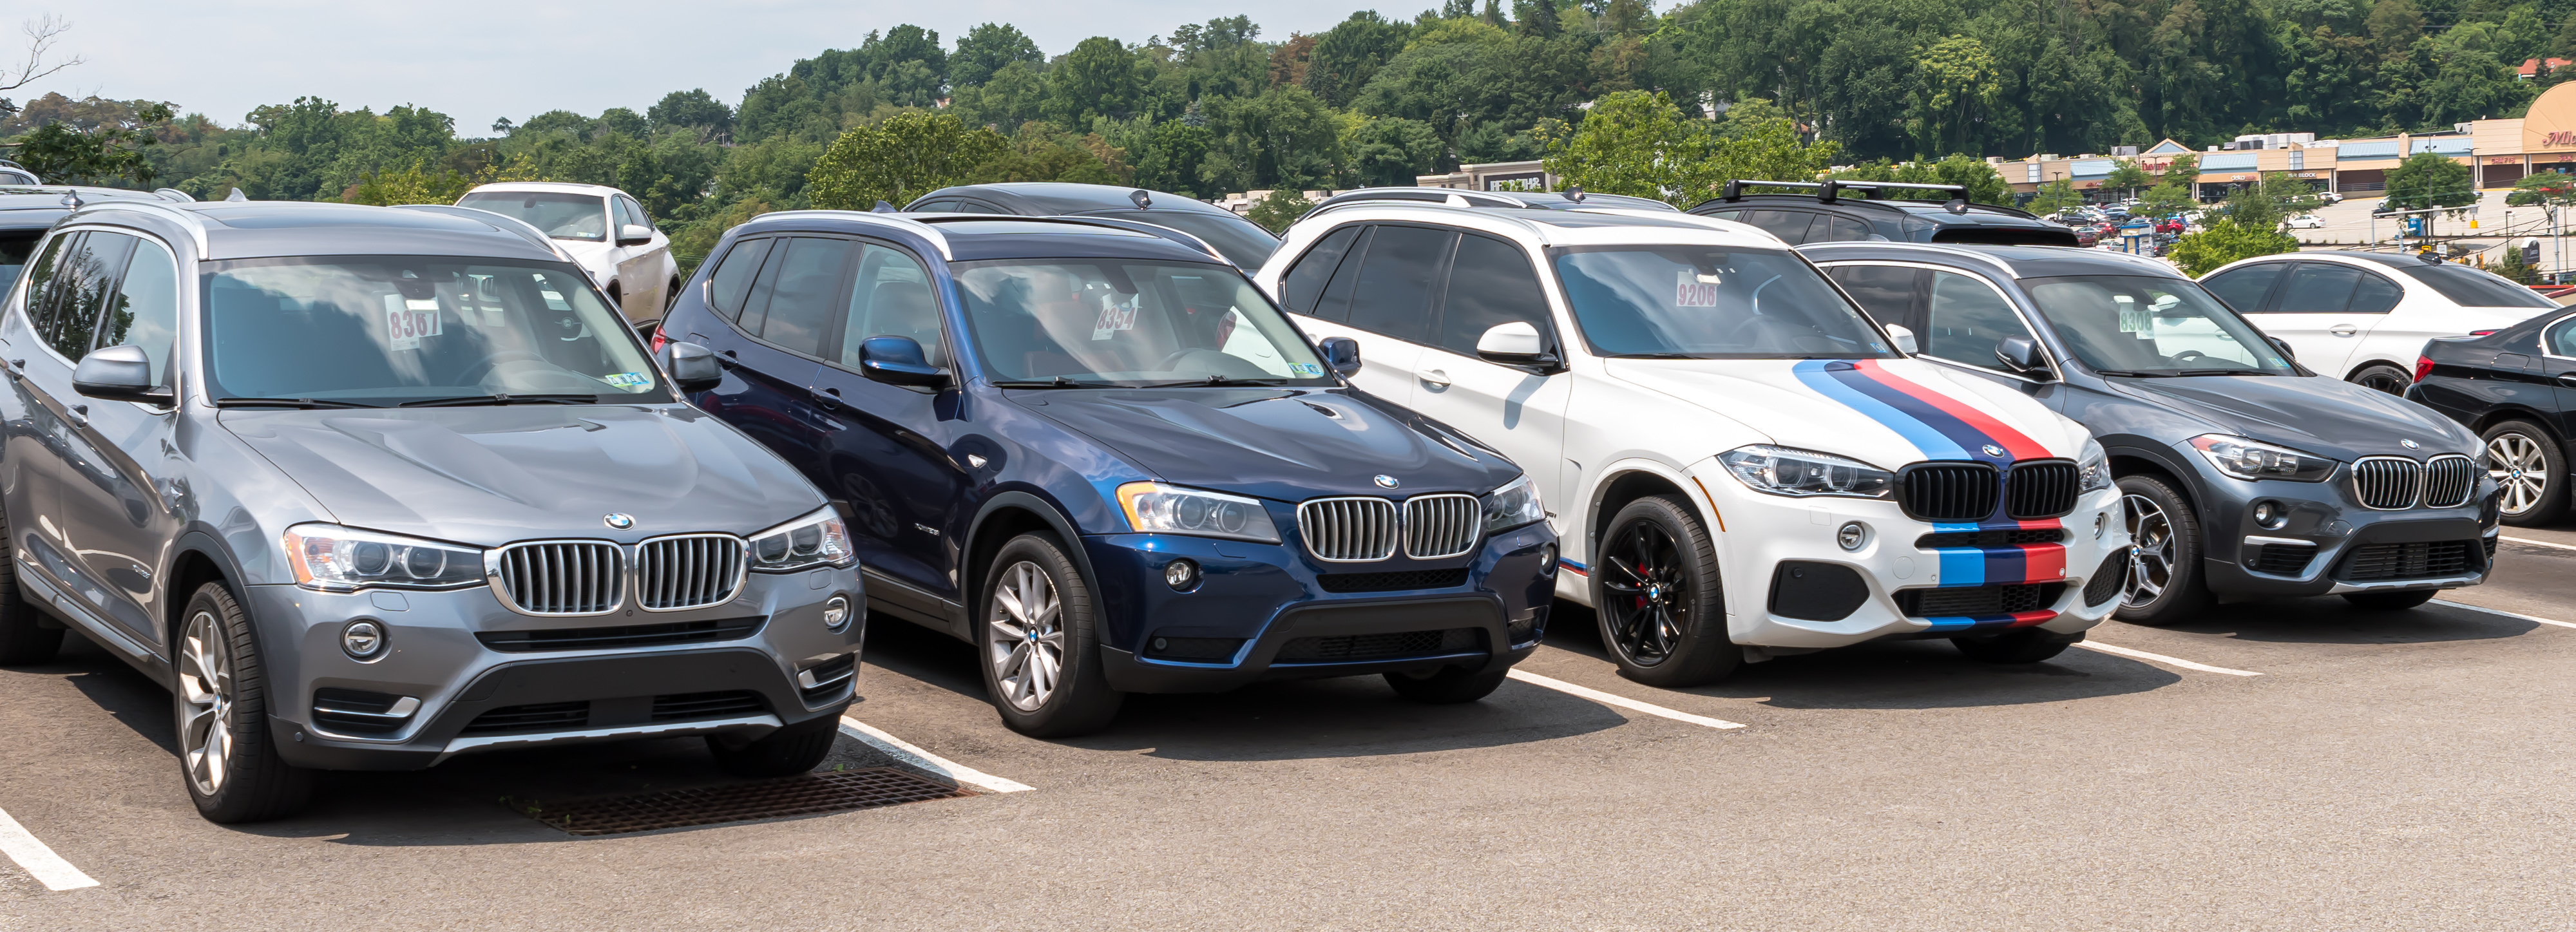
{"x":1356,"y":648}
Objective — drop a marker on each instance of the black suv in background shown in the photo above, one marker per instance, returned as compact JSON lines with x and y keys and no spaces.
{"x":1241,"y":241}
{"x":1828,"y":216}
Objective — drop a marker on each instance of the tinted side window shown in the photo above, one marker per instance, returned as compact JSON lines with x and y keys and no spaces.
{"x":1789,"y":225}
{"x":2318,"y":288}
{"x":1305,"y":281}
{"x":891,"y":297}
{"x":635,"y":213}
{"x":145,"y":311}
{"x":1335,"y":304}
{"x":40,"y":283}
{"x":1885,"y":291}
{"x":2243,"y":289}
{"x":1491,"y":283}
{"x":805,"y":295}
{"x":2560,"y":338}
{"x":1395,"y":282}
{"x":933,"y":207}
{"x":83,"y":283}
{"x":1964,"y":320}
{"x":1845,"y":229}
{"x":2376,"y":295}
{"x":732,"y":279}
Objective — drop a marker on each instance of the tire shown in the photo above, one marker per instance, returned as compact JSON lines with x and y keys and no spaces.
{"x":791,"y":750}
{"x":2390,"y":601}
{"x":2028,"y":645}
{"x":2382,"y":377}
{"x":2530,"y":470}
{"x":26,"y":635}
{"x":671,"y":296}
{"x":227,"y":755}
{"x":1656,"y":584}
{"x":1446,"y":686}
{"x":2164,"y":584}
{"x":1060,"y":689}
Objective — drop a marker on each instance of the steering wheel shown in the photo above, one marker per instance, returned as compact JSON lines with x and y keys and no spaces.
{"x":2189,"y":355}
{"x":478,"y":372}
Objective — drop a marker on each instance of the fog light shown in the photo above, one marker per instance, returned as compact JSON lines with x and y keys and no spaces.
{"x":1852,"y":536}
{"x":1547,"y":562}
{"x":364,"y":640}
{"x":2271,"y":515}
{"x":1182,"y":575}
{"x":836,"y":613}
{"x":1160,"y":644}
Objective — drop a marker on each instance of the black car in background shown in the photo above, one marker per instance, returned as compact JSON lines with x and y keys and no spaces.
{"x":1833,"y":215}
{"x":27,"y":212}
{"x":2516,"y":387}
{"x":1241,"y":241}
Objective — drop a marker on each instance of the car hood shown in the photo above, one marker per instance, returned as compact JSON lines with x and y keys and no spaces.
{"x":489,"y":475}
{"x":2325,"y":416}
{"x":1885,"y":412}
{"x":1281,"y":444}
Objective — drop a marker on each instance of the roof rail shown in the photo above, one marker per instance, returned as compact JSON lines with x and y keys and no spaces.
{"x":1131,"y":226}
{"x":905,"y":222}
{"x":501,"y":221}
{"x":175,"y":196}
{"x":1830,"y":189}
{"x":196,"y":224}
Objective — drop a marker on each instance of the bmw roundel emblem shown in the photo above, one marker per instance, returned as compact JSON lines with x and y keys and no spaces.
{"x":2409,"y":444}
{"x":619,"y":521}
{"x":1993,"y":450}
{"x":1387,"y":482}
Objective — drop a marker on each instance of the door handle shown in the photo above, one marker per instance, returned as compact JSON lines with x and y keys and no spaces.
{"x":1435,"y":378}
{"x":828,"y":397}
{"x":2343,"y":330}
{"x":2567,"y":379}
{"x":79,"y":416}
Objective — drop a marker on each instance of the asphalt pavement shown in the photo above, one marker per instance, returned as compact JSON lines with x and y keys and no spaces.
{"x":2288,"y":764}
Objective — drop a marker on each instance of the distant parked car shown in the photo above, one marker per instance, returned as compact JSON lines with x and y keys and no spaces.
{"x":1844,"y":211}
{"x":2517,"y":388}
{"x":26,"y":214}
{"x":2330,"y":197}
{"x":2364,"y":316}
{"x":1240,"y":241}
{"x":2305,"y":222}
{"x":604,"y":229}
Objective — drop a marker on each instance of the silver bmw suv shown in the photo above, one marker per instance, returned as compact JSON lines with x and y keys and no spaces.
{"x":369,"y":488}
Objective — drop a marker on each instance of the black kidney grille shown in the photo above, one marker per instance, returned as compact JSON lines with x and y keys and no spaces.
{"x":1351,"y":648}
{"x":1948,"y":491}
{"x":1978,"y":600}
{"x":2449,"y":481}
{"x":2421,"y":560}
{"x":2043,"y":489}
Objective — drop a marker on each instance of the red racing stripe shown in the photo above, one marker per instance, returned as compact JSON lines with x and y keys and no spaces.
{"x":2016,"y":444}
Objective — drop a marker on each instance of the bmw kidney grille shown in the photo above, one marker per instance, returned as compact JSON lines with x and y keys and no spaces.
{"x":593,"y":577}
{"x":1365,"y":530}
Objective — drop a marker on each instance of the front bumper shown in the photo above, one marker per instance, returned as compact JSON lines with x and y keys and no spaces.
{"x":1266,"y":611}
{"x":466,"y":696}
{"x":2328,"y":545}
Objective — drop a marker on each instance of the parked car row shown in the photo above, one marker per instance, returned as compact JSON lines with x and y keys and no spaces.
{"x":374,"y":487}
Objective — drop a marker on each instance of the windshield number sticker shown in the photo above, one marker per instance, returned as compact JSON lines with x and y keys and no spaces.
{"x":1306,"y":370}
{"x":411,"y":321}
{"x":626,"y":379}
{"x":1691,"y":289}
{"x":1114,"y":317}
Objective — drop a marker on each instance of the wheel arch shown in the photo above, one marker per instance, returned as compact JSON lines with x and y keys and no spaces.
{"x":197,"y":560}
{"x":1630,"y":480}
{"x":1004,"y":516}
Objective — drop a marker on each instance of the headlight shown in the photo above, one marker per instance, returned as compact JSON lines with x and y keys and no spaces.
{"x":2249,"y":459}
{"x":341,"y":559}
{"x":1155,"y":508}
{"x":817,"y":539}
{"x":1513,"y":505}
{"x":2094,"y":467}
{"x":1784,"y":471}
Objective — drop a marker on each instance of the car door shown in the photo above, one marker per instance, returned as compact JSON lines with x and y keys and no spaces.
{"x":766,"y":391}
{"x":2557,"y":363}
{"x":639,"y":267}
{"x":1381,"y":297}
{"x":2312,"y":309}
{"x":1965,"y":316}
{"x":118,"y":500}
{"x":895,"y":459}
{"x":1890,"y":294}
{"x":1519,"y":410}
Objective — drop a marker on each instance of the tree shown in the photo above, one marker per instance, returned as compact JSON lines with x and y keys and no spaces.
{"x":986,"y":49}
{"x":1283,"y":206}
{"x":2055,"y":196}
{"x":42,"y":35}
{"x":2225,"y":241}
{"x":2264,"y":203}
{"x":2183,"y":171}
{"x":1346,"y":56}
{"x":2127,"y":176}
{"x":908,"y":155}
{"x":2165,"y":200}
{"x":1100,"y":77}
{"x":2429,"y":179}
{"x":418,"y":184}
{"x":2543,"y":189}
{"x":1392,"y":151}
{"x":692,"y":109}
{"x":1957,"y":84}
{"x":63,"y":154}
{"x":1638,"y":143}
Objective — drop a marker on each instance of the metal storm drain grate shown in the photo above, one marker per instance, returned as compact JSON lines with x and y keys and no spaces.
{"x":808,"y":794}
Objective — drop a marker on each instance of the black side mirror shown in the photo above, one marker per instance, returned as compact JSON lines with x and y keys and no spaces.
{"x":118,"y":373}
{"x":692,"y":368}
{"x":899,"y":361}
{"x":1341,"y":353}
{"x":2284,"y":346}
{"x":2022,"y":355}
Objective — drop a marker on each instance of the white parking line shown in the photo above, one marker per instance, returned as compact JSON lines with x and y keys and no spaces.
{"x":2541,"y":543}
{"x":904,"y":751}
{"x":50,"y":868}
{"x":2160,"y":658}
{"x":2498,"y":611}
{"x":1621,"y":701}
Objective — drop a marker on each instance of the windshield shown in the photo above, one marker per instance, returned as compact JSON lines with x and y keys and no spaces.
{"x":2150,"y":325}
{"x":1710,"y":302}
{"x":1239,"y":240}
{"x":562,"y":216}
{"x":381,"y":330}
{"x":2470,"y":287}
{"x":1129,"y":323}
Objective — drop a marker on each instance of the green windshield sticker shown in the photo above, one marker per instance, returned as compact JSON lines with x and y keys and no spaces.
{"x":1306,"y":370}
{"x":626,"y":379}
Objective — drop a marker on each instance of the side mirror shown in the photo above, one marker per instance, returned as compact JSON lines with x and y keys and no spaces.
{"x":2022,"y":355}
{"x":1512,"y":344}
{"x":2284,"y":346}
{"x":1904,"y":339}
{"x":899,"y":361}
{"x":1341,"y":353}
{"x":118,"y":373}
{"x":634,"y":234}
{"x":692,"y":368}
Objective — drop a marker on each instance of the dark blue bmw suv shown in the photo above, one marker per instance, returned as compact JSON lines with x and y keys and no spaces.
{"x":1095,"y":451}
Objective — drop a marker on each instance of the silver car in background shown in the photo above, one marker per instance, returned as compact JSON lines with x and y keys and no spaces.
{"x":369,"y":488}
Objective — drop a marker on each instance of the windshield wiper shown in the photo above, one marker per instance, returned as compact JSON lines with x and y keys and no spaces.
{"x":1213,"y":380}
{"x":2222,"y":372}
{"x":1057,"y":382}
{"x":305,"y":403}
{"x":1651,"y":356}
{"x":502,"y":399}
{"x":2135,"y":373}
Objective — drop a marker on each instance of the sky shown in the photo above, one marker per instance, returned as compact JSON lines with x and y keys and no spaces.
{"x":478,"y":60}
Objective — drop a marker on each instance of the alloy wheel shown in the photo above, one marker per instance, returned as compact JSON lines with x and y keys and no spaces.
{"x":1024,"y":637}
{"x":206,"y":691}
{"x":2151,"y":552}
{"x":1642,"y":571}
{"x":2520,"y":471}
{"x":2384,"y":380}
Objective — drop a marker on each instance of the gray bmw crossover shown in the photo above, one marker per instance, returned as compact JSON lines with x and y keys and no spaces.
{"x":369,"y":488}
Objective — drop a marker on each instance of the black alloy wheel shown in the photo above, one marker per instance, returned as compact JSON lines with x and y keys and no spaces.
{"x":2383,"y":377}
{"x":1662,"y":609}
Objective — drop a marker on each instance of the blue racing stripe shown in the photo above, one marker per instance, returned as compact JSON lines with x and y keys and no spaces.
{"x":1961,"y":566}
{"x":1932,"y":442}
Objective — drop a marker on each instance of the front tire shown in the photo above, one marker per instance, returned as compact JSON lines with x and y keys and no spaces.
{"x":2164,"y":584}
{"x":26,"y":637}
{"x":227,"y":755}
{"x":2530,"y":471}
{"x":1040,"y":648}
{"x":790,"y":750}
{"x":1662,"y":608}
{"x":2028,"y":645}
{"x":2390,"y":601}
{"x":2383,"y":377}
{"x":1445,"y":686}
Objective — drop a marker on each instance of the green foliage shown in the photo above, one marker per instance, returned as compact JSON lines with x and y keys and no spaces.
{"x":984,"y":50}
{"x":2127,"y":176}
{"x":2054,"y":196}
{"x":2543,"y":189}
{"x":1280,"y":208}
{"x":64,"y":153}
{"x":2182,"y":171}
{"x":2266,"y":202}
{"x":2428,"y":180}
{"x":908,"y":155}
{"x":1983,"y":185}
{"x":417,"y":184}
{"x":2166,"y":199}
{"x":1393,"y":151}
{"x":2225,"y":241}
{"x":1100,"y":77}
{"x":1639,"y":144}
{"x":2511,"y":266}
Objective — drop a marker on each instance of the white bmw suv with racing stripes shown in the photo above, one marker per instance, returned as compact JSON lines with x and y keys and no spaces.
{"x":1740,"y":464}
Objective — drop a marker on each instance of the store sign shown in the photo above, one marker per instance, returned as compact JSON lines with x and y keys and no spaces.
{"x":2505,"y":160}
{"x":2551,"y":122}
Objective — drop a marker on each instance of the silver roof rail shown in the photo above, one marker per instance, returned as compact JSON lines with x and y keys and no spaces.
{"x":1996,"y":261}
{"x":195,"y":224}
{"x":503,"y":222}
{"x":1132,"y":226}
{"x":898,"y":221}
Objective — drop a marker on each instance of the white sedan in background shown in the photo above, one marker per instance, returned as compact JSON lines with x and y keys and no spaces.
{"x":2306,"y":222}
{"x":604,"y":229}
